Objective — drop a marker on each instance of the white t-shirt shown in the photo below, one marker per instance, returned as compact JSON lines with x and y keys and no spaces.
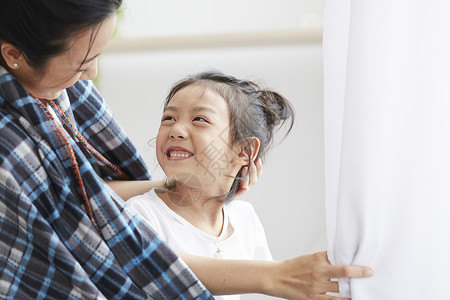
{"x":248,"y":240}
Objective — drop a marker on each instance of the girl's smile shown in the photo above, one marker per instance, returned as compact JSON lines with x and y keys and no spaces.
{"x":178,"y":153}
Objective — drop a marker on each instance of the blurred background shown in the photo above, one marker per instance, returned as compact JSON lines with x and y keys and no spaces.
{"x":274,"y":43}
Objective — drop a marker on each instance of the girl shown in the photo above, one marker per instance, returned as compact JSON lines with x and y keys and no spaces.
{"x":213,"y":126}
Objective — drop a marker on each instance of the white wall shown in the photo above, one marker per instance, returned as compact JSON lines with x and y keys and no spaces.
{"x":142,"y":18}
{"x":289,"y":196}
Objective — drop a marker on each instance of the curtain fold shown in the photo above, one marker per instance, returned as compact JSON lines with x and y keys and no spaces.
{"x":387,"y":145}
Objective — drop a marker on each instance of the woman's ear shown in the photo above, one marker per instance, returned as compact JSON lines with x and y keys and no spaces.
{"x":11,"y":55}
{"x":243,"y":156}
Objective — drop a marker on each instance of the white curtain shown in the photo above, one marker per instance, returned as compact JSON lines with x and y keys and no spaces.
{"x":387,"y":145}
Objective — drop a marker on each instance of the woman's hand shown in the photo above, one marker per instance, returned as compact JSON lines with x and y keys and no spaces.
{"x":308,"y":277}
{"x":256,"y":168}
{"x":130,"y":188}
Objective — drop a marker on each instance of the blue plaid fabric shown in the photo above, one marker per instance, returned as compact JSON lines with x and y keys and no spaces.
{"x":49,"y":248}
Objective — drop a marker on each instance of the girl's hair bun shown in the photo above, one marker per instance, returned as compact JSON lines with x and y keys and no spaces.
{"x":277,"y":109}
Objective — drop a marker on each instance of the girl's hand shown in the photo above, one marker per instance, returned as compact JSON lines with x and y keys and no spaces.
{"x":256,"y":168}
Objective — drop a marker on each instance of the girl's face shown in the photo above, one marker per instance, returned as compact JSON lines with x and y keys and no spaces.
{"x":194,"y":139}
{"x":66,"y":69}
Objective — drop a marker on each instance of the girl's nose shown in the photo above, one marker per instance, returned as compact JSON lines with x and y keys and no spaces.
{"x":178,"y":132}
{"x":176,"y":137}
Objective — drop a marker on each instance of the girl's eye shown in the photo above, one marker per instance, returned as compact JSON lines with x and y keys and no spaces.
{"x":200,"y":119}
{"x":167,"y":118}
{"x":83,"y":70}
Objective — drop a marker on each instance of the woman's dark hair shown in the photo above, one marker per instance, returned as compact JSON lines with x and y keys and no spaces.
{"x":254,"y":112}
{"x":42,"y":29}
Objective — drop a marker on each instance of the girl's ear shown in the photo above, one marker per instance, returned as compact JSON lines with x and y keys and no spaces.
{"x":243,"y":156}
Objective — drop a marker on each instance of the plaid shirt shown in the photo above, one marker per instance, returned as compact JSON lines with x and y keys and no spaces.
{"x":49,"y":249}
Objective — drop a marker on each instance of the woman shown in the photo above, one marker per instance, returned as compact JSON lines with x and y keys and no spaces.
{"x":64,"y":233}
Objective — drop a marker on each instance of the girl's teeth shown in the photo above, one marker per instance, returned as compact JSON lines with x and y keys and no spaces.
{"x":179,"y":155}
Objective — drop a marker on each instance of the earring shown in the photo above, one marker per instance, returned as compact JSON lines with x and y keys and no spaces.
{"x":15,"y":65}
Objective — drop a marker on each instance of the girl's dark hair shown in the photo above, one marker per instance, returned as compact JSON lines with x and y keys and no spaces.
{"x":42,"y":29}
{"x":254,"y":112}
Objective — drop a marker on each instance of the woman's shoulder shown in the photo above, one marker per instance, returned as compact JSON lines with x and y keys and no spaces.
{"x":17,"y":145}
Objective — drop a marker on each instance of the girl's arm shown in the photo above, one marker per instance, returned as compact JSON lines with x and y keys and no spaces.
{"x":304,"y":277}
{"x":130,"y":188}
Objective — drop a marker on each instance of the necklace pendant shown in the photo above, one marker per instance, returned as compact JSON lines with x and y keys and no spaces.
{"x":219,"y":253}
